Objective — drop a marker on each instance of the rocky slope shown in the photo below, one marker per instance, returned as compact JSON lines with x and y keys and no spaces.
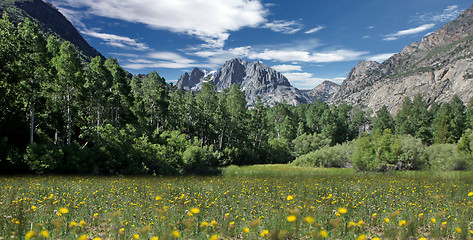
{"x":323,"y":91}
{"x":49,"y":20}
{"x":439,"y":67}
{"x":255,"y":79}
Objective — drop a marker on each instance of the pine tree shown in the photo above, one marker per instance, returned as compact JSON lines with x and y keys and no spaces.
{"x":383,"y":120}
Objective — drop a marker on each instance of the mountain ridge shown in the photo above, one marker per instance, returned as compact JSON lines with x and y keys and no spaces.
{"x":437,"y":66}
{"x":256,"y":80}
{"x":49,"y":20}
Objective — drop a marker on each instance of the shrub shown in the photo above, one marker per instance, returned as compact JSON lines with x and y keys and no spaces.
{"x":446,"y":157}
{"x":198,"y":159}
{"x":42,"y":158}
{"x":385,"y":151}
{"x":307,"y":143}
{"x":336,"y":156}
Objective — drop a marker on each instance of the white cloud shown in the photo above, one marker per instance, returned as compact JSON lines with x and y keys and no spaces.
{"x":448,"y":14}
{"x":380,"y":57}
{"x":170,"y":56}
{"x":208,"y":20}
{"x":306,"y":56}
{"x":216,"y":57}
{"x":304,"y":80}
{"x":410,"y":31}
{"x":288,"y":27}
{"x":287,"y":68}
{"x":313,"y":30}
{"x":117,"y":41}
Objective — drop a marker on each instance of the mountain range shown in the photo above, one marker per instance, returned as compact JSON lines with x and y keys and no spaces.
{"x":255,"y":79}
{"x":439,"y":66}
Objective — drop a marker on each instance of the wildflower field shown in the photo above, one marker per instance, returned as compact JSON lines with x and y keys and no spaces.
{"x":257,"y":202}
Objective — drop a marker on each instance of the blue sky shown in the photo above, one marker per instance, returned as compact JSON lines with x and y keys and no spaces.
{"x":309,"y":41}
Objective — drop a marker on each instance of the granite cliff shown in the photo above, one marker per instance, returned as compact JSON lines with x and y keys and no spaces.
{"x":254,"y":78}
{"x":439,"y":66}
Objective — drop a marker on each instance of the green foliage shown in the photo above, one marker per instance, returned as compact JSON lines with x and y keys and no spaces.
{"x":336,"y":156}
{"x":280,"y":151}
{"x":306,"y":143}
{"x":198,"y":159}
{"x":383,"y":120}
{"x":385,"y":151}
{"x":446,"y":157}
{"x":43,"y":158}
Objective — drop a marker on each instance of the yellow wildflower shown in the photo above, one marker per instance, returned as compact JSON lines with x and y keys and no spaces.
{"x":72,"y":224}
{"x":246,"y":230}
{"x":289,"y":198}
{"x":176,"y":233}
{"x":155,"y":238}
{"x":361,"y":223}
{"x":83,"y":237}
{"x":195,"y":210}
{"x":63,"y":210}
{"x":422,"y":238}
{"x":323,"y":233}
{"x":30,"y":234}
{"x":264,"y":233}
{"x":214,"y":237}
{"x":136,"y":236}
{"x":351,"y":224}
{"x":433,"y":220}
{"x":44,"y":233}
{"x":402,"y":223}
{"x":470,"y":194}
{"x":97,"y":238}
{"x":309,"y":220}
{"x":386,"y":220}
{"x":204,"y":224}
{"x":213,"y":223}
{"x":361,"y":237}
{"x":458,"y":230}
{"x":291,"y":218}
{"x":342,"y":210}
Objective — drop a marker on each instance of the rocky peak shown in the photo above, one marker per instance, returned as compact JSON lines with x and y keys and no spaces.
{"x":232,"y":72}
{"x":324,"y":91}
{"x":255,"y":79}
{"x":188,"y":82}
{"x":361,"y":76}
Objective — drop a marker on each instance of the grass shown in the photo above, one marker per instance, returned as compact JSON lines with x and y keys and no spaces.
{"x":252,"y":202}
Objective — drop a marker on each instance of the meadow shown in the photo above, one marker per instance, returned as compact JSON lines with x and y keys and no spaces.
{"x":255,"y":202}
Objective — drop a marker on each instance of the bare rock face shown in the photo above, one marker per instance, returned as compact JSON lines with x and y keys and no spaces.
{"x":187,"y":81}
{"x":439,"y":66}
{"x":324,"y":91}
{"x":255,"y":79}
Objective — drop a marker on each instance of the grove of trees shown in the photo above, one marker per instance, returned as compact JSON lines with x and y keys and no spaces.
{"x":63,"y":114}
